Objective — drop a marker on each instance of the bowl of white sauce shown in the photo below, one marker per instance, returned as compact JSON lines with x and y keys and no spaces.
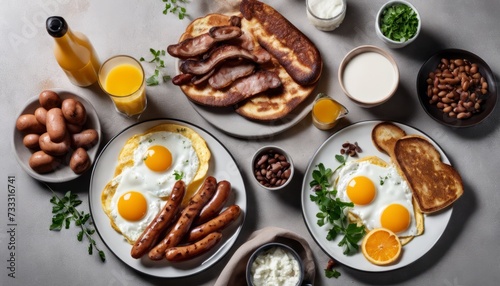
{"x":368,"y":75}
{"x":326,"y":15}
{"x":274,"y":264}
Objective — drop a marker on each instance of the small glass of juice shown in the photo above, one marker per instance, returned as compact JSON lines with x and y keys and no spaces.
{"x":122,"y":78}
{"x":327,"y":111}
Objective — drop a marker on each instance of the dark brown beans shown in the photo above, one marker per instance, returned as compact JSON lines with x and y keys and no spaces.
{"x":350,"y":149}
{"x":456,"y":87}
{"x":272,"y":169}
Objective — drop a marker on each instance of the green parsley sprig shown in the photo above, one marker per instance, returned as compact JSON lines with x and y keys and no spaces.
{"x":399,"y":22}
{"x":172,"y":6}
{"x":332,"y":209}
{"x":64,"y":212}
{"x":332,"y":273}
{"x":159,"y":66}
{"x":178,"y":175}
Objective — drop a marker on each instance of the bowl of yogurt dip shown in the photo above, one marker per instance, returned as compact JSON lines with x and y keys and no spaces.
{"x":326,"y":15}
{"x":274,"y":264}
{"x":368,"y":75}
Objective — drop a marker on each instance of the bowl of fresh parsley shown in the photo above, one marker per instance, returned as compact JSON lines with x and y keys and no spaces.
{"x":398,"y":23}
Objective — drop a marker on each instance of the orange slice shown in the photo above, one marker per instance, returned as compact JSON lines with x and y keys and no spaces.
{"x":381,"y":246}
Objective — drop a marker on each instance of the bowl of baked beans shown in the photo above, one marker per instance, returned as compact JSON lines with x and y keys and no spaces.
{"x":272,"y":167}
{"x":457,"y":88}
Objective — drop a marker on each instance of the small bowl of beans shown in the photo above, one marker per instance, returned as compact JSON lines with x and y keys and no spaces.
{"x":272,"y":167}
{"x":457,"y":88}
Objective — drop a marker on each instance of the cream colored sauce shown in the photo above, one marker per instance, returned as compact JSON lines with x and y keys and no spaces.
{"x":325,"y":8}
{"x":326,"y":15}
{"x":369,"y":77}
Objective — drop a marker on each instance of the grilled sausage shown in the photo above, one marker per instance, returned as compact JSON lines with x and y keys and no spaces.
{"x":215,"y":205}
{"x":186,"y":218}
{"x":162,"y":220}
{"x":216,"y":224}
{"x":182,"y":253}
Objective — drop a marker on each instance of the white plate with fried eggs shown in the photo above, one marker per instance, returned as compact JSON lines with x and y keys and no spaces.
{"x":391,"y":189}
{"x":222,"y":166}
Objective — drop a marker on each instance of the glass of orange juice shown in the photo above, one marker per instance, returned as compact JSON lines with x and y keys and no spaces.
{"x":326,"y":112}
{"x":122,"y":78}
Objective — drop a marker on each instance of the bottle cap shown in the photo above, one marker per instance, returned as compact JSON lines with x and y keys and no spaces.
{"x":56,"y":26}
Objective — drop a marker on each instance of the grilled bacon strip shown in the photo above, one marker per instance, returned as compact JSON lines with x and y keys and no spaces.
{"x":216,"y":57}
{"x":252,"y":85}
{"x":198,"y":45}
{"x":227,"y":74}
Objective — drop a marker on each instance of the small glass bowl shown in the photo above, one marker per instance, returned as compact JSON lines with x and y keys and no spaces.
{"x":326,"y":24}
{"x":322,"y":125}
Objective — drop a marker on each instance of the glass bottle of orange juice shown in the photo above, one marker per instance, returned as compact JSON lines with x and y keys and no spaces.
{"x":74,"y":52}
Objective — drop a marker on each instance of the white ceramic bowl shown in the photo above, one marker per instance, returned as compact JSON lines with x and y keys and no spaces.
{"x":63,"y":172}
{"x":278,"y":150}
{"x":267,"y":246}
{"x":389,"y":42}
{"x":351,"y":79}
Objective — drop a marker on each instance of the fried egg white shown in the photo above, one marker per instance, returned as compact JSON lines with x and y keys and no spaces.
{"x":380,"y":196}
{"x":161,"y":158}
{"x":130,"y":209}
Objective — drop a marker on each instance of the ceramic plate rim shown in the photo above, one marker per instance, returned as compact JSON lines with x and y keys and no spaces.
{"x":435,"y":224}
{"x":121,"y":249}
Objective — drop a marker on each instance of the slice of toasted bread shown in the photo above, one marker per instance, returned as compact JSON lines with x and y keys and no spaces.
{"x":385,"y":135}
{"x":435,"y":185}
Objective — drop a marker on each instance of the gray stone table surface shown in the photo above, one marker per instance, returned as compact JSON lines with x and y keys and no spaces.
{"x":468,"y":252}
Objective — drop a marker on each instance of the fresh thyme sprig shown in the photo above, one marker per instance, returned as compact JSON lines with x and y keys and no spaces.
{"x":159,"y":66}
{"x":65,"y":211}
{"x":172,"y":6}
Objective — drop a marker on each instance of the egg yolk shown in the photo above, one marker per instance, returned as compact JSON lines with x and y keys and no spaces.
{"x":158,"y":158}
{"x":395,"y":217}
{"x":132,"y":206}
{"x":361,"y":190}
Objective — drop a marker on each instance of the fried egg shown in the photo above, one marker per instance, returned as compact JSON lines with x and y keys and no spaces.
{"x":131,"y":209}
{"x":161,"y":158}
{"x":148,"y":166}
{"x":381,"y":197}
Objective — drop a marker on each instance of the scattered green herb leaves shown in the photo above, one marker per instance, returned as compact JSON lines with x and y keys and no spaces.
{"x":64,"y":211}
{"x":172,"y":6}
{"x":332,"y":209}
{"x":332,"y":273}
{"x":159,"y":66}
{"x":178,"y":175}
{"x":383,"y":179}
{"x":399,"y":22}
